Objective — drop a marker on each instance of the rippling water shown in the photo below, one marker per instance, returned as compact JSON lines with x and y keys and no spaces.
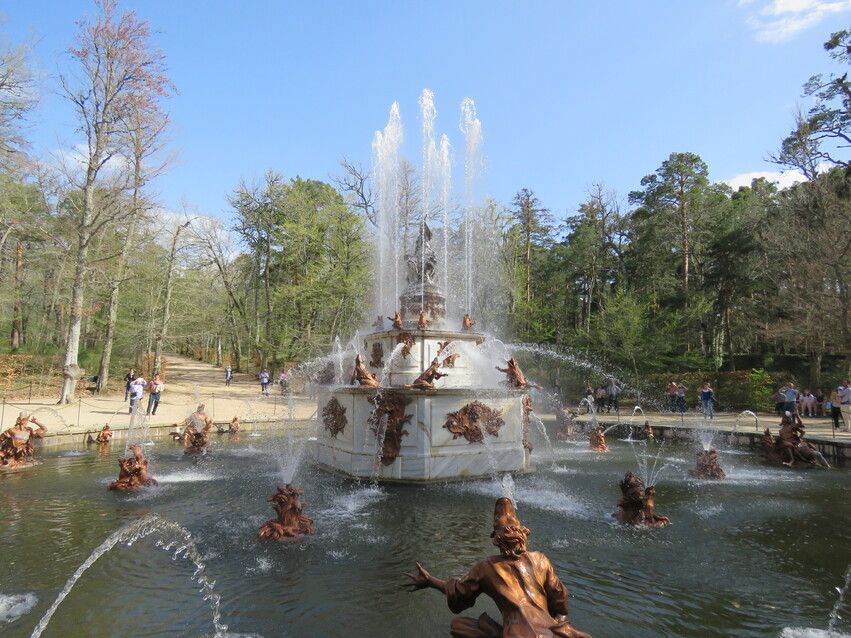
{"x":760,"y":554}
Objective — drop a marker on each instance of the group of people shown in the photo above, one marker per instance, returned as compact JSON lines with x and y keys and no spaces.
{"x":837,"y":406}
{"x":134,"y":390}
{"x":677,"y":398}
{"x":605,"y":397}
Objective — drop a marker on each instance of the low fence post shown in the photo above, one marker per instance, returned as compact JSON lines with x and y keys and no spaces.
{"x":3,"y":414}
{"x":79,"y":407}
{"x":30,"y":396}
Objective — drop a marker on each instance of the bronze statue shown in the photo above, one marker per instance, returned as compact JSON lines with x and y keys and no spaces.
{"x":196,"y":443}
{"x":708,"y":465}
{"x":233,"y":428}
{"x":523,"y":584}
{"x":467,"y":324}
{"x":597,"y":439}
{"x":377,"y":360}
{"x":397,"y":321}
{"x":334,"y":417}
{"x":526,"y":402}
{"x":105,"y":435}
{"x":291,"y":524}
{"x":441,"y":346}
{"x":426,"y":380}
{"x":421,"y":262}
{"x":449,"y":362}
{"x":362,"y":376}
{"x":378,"y":323}
{"x":638,"y":505}
{"x":565,"y":422}
{"x":16,"y":443}
{"x":198,"y":421}
{"x":516,"y":378}
{"x":790,"y":448}
{"x":408,"y":340}
{"x":470,"y":420}
{"x":646,"y":433}
{"x":133,"y":473}
{"x":423,"y":321}
{"x":390,"y":412}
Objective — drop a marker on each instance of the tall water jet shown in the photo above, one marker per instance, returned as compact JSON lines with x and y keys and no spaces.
{"x":471,"y":127}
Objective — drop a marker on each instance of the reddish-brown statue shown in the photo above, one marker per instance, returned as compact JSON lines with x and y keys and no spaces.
{"x":362,"y":376}
{"x":790,"y":448}
{"x":515,"y":376}
{"x":597,"y":439}
{"x":467,"y":324}
{"x":426,"y":380}
{"x":565,"y":422}
{"x":708,"y":465}
{"x":16,"y":443}
{"x":523,"y":584}
{"x":104,"y":436}
{"x":423,"y":321}
{"x":378,"y":323}
{"x":397,"y":321}
{"x":133,"y":473}
{"x":291,"y":523}
{"x":196,"y":443}
{"x":638,"y":504}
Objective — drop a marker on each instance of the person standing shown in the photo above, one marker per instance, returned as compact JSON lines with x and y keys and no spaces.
{"x":707,"y":398}
{"x":613,"y":392}
{"x":228,"y":376}
{"x":155,"y":388}
{"x":137,"y":393}
{"x":600,"y":398}
{"x":835,"y":410}
{"x":129,"y":378}
{"x":672,"y":395}
{"x":264,"y":382}
{"x":681,"y":397}
{"x":790,"y":405}
{"x":843,"y":397}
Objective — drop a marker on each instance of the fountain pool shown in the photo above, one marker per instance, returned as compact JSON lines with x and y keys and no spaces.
{"x":757,"y":554}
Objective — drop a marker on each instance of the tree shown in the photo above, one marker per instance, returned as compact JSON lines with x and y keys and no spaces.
{"x":533,"y":228}
{"x":17,"y":98}
{"x":115,"y":74}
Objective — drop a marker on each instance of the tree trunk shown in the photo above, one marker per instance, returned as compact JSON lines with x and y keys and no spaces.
{"x":17,"y":305}
{"x":70,"y":369}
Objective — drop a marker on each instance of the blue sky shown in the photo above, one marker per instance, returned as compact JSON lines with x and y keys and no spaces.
{"x":570,"y":94}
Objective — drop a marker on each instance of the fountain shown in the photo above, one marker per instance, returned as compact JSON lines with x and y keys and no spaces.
{"x":291,"y":523}
{"x":418,"y":416}
{"x":708,"y":465}
{"x":638,"y":503}
{"x":133,"y":473}
{"x":597,"y":439}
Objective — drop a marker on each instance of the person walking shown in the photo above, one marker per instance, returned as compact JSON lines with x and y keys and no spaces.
{"x":613,"y":392}
{"x":790,"y":405}
{"x":843,"y":397}
{"x":264,"y":382}
{"x":129,"y":378}
{"x":707,"y":398}
{"x":228,"y":376}
{"x":137,"y":393}
{"x":681,"y":397}
{"x":155,"y":388}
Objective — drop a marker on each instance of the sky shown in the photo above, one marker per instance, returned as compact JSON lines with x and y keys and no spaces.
{"x":570,"y":94}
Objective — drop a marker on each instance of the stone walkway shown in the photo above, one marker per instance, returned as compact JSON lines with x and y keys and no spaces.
{"x":188,"y":383}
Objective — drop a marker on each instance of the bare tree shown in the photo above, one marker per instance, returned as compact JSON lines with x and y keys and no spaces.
{"x":115,"y":73}
{"x":355,"y":185}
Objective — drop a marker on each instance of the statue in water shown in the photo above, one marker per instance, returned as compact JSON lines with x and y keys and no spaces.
{"x":362,"y":376}
{"x":426,"y":380}
{"x":291,"y":524}
{"x":790,"y":448}
{"x":708,"y":465}
{"x":523,"y":584}
{"x":515,"y":377}
{"x":199,"y":422}
{"x":422,"y":262}
{"x":105,"y":435}
{"x":467,"y":324}
{"x":597,"y":439}
{"x":133,"y":473}
{"x":16,"y":443}
{"x":638,"y":505}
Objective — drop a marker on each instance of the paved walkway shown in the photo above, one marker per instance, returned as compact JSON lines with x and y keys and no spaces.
{"x":816,"y":427}
{"x":187,"y":384}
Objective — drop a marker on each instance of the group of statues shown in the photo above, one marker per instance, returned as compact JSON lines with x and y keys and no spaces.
{"x":423,"y":321}
{"x":789,"y":448}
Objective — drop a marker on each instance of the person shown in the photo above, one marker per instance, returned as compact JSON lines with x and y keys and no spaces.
{"x":835,"y":410}
{"x":681,"y":397}
{"x":843,"y":396}
{"x":600,"y":398}
{"x":129,"y":378}
{"x":137,"y":393}
{"x":779,"y":401}
{"x":809,"y":404}
{"x":672,"y":395}
{"x":613,"y":392}
{"x":228,"y":375}
{"x":707,"y":398}
{"x":16,"y":443}
{"x":284,"y":381}
{"x":821,"y":398}
{"x":264,"y":382}
{"x":790,"y":394}
{"x":523,"y":584}
{"x":155,"y":388}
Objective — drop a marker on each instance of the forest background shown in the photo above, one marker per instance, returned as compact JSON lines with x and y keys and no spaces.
{"x":681,"y":279}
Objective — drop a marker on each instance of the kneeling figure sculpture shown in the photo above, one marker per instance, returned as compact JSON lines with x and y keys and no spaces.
{"x":133,"y":473}
{"x":638,"y":505}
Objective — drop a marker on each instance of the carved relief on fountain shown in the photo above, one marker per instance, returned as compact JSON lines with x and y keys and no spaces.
{"x":389,"y":416}
{"x":377,"y":360}
{"x":334,"y":417}
{"x":409,"y":341}
{"x":471,"y":419}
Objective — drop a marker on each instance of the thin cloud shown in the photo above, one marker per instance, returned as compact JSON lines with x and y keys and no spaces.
{"x":781,"y":20}
{"x":783,"y":179}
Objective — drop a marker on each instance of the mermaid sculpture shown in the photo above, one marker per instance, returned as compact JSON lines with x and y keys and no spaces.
{"x":523,"y":584}
{"x":291,"y":524}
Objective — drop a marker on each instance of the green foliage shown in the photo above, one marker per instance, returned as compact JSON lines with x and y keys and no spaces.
{"x":762,"y":389}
